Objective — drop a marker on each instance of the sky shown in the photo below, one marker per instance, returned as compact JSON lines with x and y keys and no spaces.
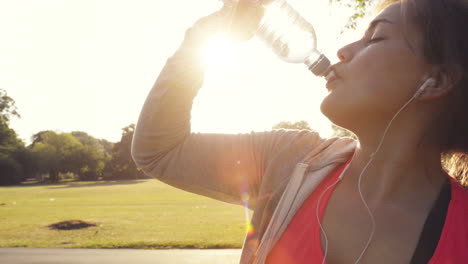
{"x":88,"y":66}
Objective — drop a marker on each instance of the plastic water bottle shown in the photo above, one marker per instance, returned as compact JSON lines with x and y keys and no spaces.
{"x":288,"y":34}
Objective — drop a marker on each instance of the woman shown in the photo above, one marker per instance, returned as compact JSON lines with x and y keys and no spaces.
{"x":316,"y":200}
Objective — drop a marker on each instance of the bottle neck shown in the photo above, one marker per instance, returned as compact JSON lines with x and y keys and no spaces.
{"x":318,"y":65}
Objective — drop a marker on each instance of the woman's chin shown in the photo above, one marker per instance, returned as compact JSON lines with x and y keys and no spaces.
{"x":328,"y":107}
{"x":335,"y":111}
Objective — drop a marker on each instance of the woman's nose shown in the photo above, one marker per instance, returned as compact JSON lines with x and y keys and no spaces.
{"x":344,"y":54}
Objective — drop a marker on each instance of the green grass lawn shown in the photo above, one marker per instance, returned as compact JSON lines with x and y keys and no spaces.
{"x":129,"y":214}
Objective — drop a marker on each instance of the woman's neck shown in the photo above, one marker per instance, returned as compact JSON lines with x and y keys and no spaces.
{"x":405,"y":168}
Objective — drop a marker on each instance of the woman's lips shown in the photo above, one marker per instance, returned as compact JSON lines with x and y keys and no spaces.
{"x":331,"y":77}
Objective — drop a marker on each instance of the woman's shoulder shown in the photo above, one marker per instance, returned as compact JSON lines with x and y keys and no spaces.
{"x":315,"y":142}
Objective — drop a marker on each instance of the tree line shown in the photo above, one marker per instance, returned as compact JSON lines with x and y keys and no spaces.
{"x":52,"y":155}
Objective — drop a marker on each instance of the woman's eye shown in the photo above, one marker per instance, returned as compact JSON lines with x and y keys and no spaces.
{"x":374,"y":40}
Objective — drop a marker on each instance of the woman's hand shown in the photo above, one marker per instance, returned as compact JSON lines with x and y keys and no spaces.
{"x":238,"y":20}
{"x":245,"y":18}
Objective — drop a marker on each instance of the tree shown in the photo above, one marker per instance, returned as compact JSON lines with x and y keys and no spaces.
{"x":10,"y":170}
{"x":56,"y":153}
{"x":289,"y":125}
{"x":75,"y":152}
{"x":122,"y":165}
{"x":39,"y":136}
{"x":12,"y":149}
{"x":92,"y":157}
{"x":8,"y":137}
{"x":7,"y":107}
{"x":108,"y":147}
{"x":12,"y":155}
{"x":342,"y":132}
{"x":360,"y":7}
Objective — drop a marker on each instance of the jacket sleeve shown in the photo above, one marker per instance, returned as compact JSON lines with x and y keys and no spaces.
{"x":227,"y":167}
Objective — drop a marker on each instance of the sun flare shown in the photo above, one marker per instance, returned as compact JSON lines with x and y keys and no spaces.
{"x":221,"y":52}
{"x":248,"y":88}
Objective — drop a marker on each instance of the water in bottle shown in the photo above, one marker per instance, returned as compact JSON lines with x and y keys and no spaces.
{"x":289,"y":35}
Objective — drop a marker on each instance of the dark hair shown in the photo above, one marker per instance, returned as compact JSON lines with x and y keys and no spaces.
{"x":443,"y":28}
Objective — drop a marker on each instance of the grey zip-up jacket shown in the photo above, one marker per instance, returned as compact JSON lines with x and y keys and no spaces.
{"x":276,"y":170}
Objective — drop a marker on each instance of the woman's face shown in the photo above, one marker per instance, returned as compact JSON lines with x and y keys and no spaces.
{"x":376,"y":75}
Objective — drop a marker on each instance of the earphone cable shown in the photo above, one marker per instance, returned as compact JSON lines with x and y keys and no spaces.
{"x":365,"y":168}
{"x":318,"y":220}
{"x":359,"y":186}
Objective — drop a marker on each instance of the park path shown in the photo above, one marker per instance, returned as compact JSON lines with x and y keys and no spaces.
{"x":117,"y":256}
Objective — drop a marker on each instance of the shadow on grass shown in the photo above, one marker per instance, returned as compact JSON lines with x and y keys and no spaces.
{"x":78,"y":184}
{"x":93,"y":184}
{"x":167,"y":245}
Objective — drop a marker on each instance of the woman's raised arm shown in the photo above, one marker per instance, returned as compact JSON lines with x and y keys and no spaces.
{"x":222,"y":166}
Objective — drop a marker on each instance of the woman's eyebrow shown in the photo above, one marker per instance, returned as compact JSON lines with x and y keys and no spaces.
{"x":374,"y":23}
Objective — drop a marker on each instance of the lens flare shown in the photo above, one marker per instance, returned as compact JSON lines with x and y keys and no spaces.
{"x":248,"y":224}
{"x":250,"y":229}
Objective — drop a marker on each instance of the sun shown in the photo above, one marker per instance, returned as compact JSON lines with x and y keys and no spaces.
{"x":222,"y":104}
{"x":220,"y":51}
{"x":248,"y":88}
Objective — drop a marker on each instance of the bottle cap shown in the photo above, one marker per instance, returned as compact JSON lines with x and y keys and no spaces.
{"x":321,"y":67}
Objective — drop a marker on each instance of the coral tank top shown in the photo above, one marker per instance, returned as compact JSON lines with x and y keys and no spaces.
{"x":300,"y":242}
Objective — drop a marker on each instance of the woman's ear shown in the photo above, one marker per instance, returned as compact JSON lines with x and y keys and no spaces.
{"x":445,"y":82}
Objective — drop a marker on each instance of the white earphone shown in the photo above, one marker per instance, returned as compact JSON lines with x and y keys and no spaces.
{"x":429,"y":81}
